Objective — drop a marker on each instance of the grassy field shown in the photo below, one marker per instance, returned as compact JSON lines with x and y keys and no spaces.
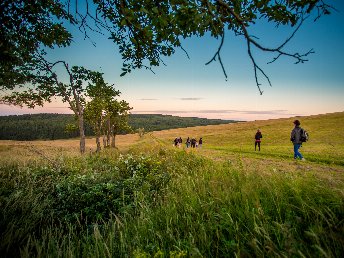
{"x":150,"y":199}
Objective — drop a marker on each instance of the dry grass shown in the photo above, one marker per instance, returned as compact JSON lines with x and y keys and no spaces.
{"x":26,"y":151}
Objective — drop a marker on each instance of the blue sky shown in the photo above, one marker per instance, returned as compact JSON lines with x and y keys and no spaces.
{"x":187,"y":87}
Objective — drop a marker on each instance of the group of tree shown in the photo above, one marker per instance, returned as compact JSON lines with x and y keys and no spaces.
{"x":145,"y":31}
{"x":105,"y":113}
{"x":64,"y":126}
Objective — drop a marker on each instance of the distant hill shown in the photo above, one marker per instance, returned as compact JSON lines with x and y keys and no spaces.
{"x":52,"y":126}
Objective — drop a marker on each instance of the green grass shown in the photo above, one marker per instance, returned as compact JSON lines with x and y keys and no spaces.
{"x":326,"y":144}
{"x":187,"y":205}
{"x":223,"y":200}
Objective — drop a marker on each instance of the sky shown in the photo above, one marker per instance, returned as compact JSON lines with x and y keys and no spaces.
{"x":188,"y":87}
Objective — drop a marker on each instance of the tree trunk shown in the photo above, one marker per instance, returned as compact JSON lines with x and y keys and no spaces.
{"x":108,"y":136}
{"x":113,"y":141}
{"x":104,"y":141}
{"x":82,"y":133}
{"x":98,"y":143}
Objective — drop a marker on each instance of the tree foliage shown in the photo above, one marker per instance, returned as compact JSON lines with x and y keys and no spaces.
{"x":105,"y":113}
{"x":144,"y":30}
{"x":26,"y":28}
{"x":49,"y":85}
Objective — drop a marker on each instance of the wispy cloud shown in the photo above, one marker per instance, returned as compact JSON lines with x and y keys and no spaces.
{"x":249,"y":112}
{"x":266,"y":112}
{"x":190,"y":99}
{"x":219,"y":111}
{"x":161,"y":112}
{"x":147,"y":99}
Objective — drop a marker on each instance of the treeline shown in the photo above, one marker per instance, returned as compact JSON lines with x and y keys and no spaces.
{"x":53,"y":126}
{"x":157,"y":122}
{"x":38,"y":126}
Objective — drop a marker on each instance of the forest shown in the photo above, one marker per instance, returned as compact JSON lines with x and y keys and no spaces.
{"x":53,"y":126}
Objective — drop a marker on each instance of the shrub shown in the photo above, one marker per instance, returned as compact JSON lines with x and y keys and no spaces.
{"x":116,"y":189}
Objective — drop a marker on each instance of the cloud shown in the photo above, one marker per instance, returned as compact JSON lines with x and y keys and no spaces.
{"x":147,"y":99}
{"x":248,"y":112}
{"x":219,"y":111}
{"x":265,"y":112}
{"x":161,"y":112}
{"x":216,"y":111}
{"x":190,"y":99}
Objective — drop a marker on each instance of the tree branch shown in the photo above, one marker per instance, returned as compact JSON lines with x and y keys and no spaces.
{"x":218,"y":54}
{"x":300,"y":58}
{"x":82,"y":18}
{"x":64,"y":94}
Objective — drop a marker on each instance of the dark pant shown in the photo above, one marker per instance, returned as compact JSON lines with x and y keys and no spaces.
{"x":297,"y":153}
{"x":255,"y":145}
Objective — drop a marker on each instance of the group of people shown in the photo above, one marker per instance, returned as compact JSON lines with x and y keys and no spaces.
{"x":295,"y":138}
{"x":190,"y":143}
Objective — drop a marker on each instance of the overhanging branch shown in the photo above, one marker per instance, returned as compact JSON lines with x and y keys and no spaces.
{"x":218,"y":55}
{"x":250,"y":40}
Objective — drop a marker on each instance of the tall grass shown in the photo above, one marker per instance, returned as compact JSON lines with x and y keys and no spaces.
{"x":169,"y":203}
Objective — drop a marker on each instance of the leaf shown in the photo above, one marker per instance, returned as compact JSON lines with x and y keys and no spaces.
{"x":123,"y":22}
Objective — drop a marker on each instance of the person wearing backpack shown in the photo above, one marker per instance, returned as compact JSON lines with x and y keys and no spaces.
{"x":257,"y":138}
{"x":295,"y":137}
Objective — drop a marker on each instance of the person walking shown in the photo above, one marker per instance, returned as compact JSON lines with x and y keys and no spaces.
{"x":180,"y":141}
{"x":176,"y":141}
{"x":295,"y":137}
{"x":258,"y":140}
{"x":193,"y":142}
{"x":200,"y":142}
{"x":188,"y":142}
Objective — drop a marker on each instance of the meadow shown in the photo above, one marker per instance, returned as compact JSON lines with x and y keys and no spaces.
{"x":150,"y":199}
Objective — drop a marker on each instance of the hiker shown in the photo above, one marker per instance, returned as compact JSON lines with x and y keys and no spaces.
{"x":188,"y":142}
{"x":176,"y":141}
{"x":257,"y":138}
{"x":180,"y":141}
{"x":193,"y":142}
{"x":200,"y":142}
{"x":295,"y":137}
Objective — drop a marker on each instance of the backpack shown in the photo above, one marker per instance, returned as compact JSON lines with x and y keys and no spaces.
{"x":304,"y":136}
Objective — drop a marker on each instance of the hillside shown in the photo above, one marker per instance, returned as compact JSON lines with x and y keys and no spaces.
{"x":52,"y":126}
{"x":326,"y":144}
{"x":326,"y":141}
{"x":150,"y":199}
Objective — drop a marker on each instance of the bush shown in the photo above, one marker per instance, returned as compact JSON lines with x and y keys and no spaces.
{"x":95,"y":196}
{"x":87,"y":191}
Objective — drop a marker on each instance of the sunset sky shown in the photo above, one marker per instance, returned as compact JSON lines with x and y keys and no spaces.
{"x":188,"y":87}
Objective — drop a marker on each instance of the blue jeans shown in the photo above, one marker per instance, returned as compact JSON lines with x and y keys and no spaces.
{"x":297,"y":154}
